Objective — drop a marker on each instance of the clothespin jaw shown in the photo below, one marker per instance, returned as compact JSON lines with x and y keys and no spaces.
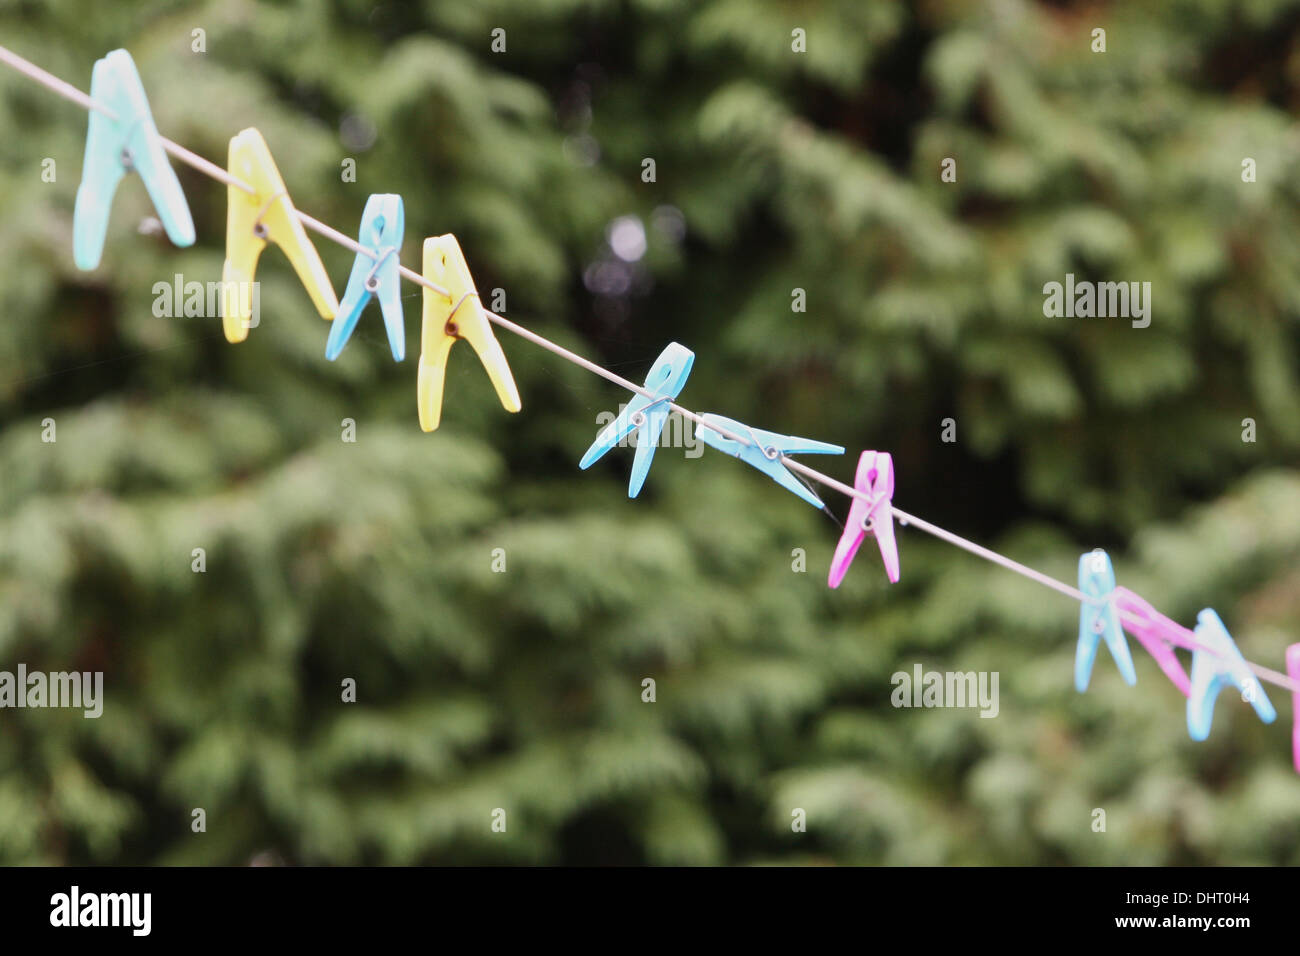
{"x":875,"y":477}
{"x":447,"y":320}
{"x":254,"y":220}
{"x":375,"y":276}
{"x":1156,"y":632}
{"x":764,"y":451}
{"x":1099,"y":621}
{"x":116,"y":145}
{"x":1293,"y":672}
{"x":645,"y":416}
{"x":1211,"y":673}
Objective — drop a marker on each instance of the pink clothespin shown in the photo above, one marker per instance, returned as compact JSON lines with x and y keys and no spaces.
{"x":1293,"y":672}
{"x":1156,"y":632}
{"x":875,"y":477}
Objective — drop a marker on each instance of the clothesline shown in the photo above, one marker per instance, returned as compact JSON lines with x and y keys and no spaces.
{"x":1186,"y":639}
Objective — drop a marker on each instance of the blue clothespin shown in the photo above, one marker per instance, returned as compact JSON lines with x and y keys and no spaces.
{"x":1210,"y":674}
{"x":115,"y":145}
{"x":1099,"y":620}
{"x":382,"y":225}
{"x":644,"y":415}
{"x":765,"y":451}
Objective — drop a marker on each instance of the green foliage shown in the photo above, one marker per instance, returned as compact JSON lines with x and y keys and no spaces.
{"x":373,"y":561}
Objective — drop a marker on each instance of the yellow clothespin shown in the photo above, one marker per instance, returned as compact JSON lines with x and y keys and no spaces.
{"x":447,"y":319}
{"x":254,"y":220}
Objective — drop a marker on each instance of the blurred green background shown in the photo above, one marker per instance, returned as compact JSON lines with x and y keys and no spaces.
{"x":522,"y":690}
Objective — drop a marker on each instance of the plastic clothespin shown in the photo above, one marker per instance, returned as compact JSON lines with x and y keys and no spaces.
{"x":764,"y":451}
{"x":254,"y":220}
{"x":1157,"y":633}
{"x":116,"y":145}
{"x":645,"y":416}
{"x":1210,"y":673}
{"x":382,"y":225}
{"x":875,"y":476}
{"x":1293,"y":672}
{"x":1098,"y":620}
{"x":446,"y":321}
